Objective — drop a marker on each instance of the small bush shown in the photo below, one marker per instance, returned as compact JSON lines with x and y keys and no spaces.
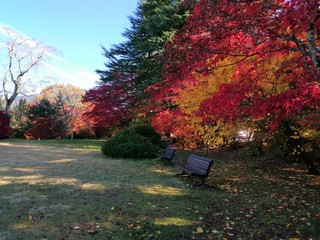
{"x":5,"y":129}
{"x":137,"y":141}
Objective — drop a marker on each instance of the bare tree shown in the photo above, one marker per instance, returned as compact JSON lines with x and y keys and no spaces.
{"x":21,"y":55}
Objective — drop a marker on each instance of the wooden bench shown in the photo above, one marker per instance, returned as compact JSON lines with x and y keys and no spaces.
{"x":167,"y":154}
{"x":196,"y":166}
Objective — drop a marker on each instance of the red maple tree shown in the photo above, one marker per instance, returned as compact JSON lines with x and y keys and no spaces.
{"x":112,"y":104}
{"x":255,"y":32}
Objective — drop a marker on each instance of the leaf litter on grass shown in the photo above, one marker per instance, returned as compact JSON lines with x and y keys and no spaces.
{"x":264,"y":202}
{"x":92,"y":197}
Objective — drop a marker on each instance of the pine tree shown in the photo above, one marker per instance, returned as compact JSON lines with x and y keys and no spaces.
{"x":45,"y":121}
{"x":19,"y":123}
{"x":139,"y":58}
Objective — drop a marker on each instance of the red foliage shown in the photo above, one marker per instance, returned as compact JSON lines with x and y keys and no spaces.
{"x":45,"y":128}
{"x":41,"y":129}
{"x":172,"y":122}
{"x":5,"y":130}
{"x":254,"y":31}
{"x":112,"y":104}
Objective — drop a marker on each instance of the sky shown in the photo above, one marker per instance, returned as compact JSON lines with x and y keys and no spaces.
{"x":76,"y":28}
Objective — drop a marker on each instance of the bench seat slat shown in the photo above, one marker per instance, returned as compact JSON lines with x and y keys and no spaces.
{"x":196,"y":166}
{"x":193,"y":171}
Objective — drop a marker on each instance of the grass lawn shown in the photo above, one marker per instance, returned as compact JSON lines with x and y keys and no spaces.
{"x":60,"y":190}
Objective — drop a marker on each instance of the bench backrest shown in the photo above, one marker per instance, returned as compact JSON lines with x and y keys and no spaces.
{"x":168,"y":153}
{"x":202,"y":164}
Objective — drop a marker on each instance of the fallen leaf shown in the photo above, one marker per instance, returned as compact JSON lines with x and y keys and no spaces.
{"x":199,"y":230}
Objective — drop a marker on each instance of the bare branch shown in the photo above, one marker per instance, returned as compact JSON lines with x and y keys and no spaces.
{"x":23,"y":56}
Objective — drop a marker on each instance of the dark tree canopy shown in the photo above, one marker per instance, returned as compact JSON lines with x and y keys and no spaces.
{"x":139,"y":57}
{"x":45,"y":121}
{"x":4,"y":125}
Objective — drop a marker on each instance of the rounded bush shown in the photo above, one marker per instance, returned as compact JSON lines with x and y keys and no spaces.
{"x":137,"y":141}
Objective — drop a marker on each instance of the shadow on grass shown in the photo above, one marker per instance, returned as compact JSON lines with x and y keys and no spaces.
{"x":57,"y":192}
{"x":61,"y":192}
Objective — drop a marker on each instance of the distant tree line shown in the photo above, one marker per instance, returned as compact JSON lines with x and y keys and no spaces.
{"x":57,"y":112}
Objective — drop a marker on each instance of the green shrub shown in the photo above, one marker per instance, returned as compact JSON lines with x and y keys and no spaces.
{"x":251,"y":151}
{"x":137,"y":141}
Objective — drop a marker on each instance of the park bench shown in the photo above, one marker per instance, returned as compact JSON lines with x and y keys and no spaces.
{"x":196,"y":166}
{"x":167,"y":154}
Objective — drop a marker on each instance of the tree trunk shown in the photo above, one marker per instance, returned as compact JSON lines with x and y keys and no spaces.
{"x":312,"y":168}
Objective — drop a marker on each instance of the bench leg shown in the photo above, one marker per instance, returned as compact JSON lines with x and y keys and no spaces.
{"x":203,"y":179}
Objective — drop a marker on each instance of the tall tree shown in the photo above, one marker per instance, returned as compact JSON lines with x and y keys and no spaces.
{"x":21,"y":56}
{"x":139,"y":58}
{"x":136,"y":63}
{"x":255,"y":32}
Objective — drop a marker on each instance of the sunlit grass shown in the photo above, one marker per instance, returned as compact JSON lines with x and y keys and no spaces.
{"x":161,"y":190}
{"x":62,"y":160}
{"x":54,"y":190}
{"x":21,"y":226}
{"x":90,"y":144}
{"x":37,"y":179}
{"x":173,"y":221}
{"x":92,"y":186}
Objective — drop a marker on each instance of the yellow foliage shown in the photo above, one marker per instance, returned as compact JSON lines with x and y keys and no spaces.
{"x":191,"y":97}
{"x":270,"y":82}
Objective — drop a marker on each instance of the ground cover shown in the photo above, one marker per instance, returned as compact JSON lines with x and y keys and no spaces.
{"x":63,"y":190}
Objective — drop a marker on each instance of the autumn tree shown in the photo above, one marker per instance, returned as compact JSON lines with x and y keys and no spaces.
{"x":20,"y":56}
{"x":261,"y":88}
{"x":111,"y":104}
{"x":136,"y":63}
{"x":68,"y":100}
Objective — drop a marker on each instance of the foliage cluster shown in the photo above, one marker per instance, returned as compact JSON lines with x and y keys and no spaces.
{"x":5,"y":130}
{"x":137,"y":141}
{"x":269,"y":54}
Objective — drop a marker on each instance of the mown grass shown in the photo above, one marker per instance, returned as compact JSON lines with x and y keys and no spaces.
{"x":94,"y":144}
{"x":54,"y":190}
